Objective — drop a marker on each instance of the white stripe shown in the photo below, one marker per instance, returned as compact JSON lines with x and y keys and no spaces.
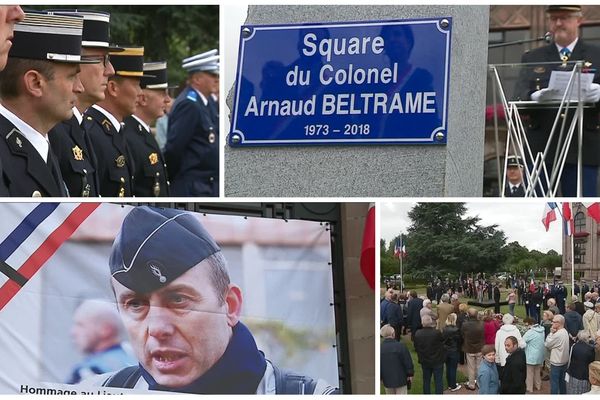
{"x":127,"y":268}
{"x":91,"y":43}
{"x":63,"y":57}
{"x":94,"y":17}
{"x":53,"y":30}
{"x":158,"y":86}
{"x":41,"y":233}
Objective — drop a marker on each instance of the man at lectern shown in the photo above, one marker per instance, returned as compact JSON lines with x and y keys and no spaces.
{"x":563,"y":23}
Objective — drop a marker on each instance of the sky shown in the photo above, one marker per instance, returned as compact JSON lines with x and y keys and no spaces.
{"x":521,"y":222}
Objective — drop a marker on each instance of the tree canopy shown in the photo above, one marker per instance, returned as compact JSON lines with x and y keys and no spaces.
{"x":168,"y":33}
{"x":442,"y":240}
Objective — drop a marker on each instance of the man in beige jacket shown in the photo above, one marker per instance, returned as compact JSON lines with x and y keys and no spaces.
{"x":443,"y":310}
{"x":558,"y":344}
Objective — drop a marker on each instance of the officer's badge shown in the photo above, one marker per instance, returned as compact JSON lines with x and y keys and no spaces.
{"x":120,"y":161}
{"x":107,"y":125}
{"x":211,"y":138}
{"x":19,"y":142}
{"x":153,"y":157}
{"x":192,"y":95}
{"x":539,"y":70}
{"x":154,"y":267}
{"x":77,"y":153}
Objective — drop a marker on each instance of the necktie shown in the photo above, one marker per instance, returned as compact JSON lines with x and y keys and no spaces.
{"x":565,"y":53}
{"x":514,"y":189}
{"x":56,"y":174}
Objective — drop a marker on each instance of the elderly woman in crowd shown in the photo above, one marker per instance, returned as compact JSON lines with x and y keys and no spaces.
{"x":590,"y":320}
{"x":582,"y":355}
{"x":396,"y":364}
{"x":534,"y":354}
{"x":427,"y":310}
{"x":594,"y":373}
{"x":506,"y":330}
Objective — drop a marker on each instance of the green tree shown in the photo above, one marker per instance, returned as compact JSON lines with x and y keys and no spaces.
{"x":443,"y":240}
{"x":168,"y":33}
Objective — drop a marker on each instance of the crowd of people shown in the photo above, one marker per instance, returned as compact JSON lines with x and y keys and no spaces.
{"x":503,"y":354}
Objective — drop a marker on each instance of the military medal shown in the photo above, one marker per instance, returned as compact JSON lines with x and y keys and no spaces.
{"x":77,"y":153}
{"x":120,"y":161}
{"x":153,"y":157}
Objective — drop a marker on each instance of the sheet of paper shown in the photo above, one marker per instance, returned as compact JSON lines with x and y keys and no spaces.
{"x":559,"y":81}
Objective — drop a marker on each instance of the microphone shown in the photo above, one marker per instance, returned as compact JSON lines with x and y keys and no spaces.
{"x":546,"y":38}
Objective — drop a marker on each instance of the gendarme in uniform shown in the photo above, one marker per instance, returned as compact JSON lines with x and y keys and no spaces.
{"x":68,"y":139}
{"x":30,"y":167}
{"x":151,"y":178}
{"x":192,"y":148}
{"x":115,"y":166}
{"x":182,"y":314}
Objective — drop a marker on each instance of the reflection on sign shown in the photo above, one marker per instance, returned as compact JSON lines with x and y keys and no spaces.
{"x":343,"y":83}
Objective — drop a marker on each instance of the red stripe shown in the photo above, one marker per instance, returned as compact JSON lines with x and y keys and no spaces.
{"x":37,"y":259}
{"x":7,"y":292}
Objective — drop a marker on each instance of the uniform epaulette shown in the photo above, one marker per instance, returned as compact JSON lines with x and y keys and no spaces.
{"x":192,"y":95}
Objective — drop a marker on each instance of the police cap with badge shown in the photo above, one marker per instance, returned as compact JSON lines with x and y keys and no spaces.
{"x":514,"y":161}
{"x":96,"y":28}
{"x":205,"y":62}
{"x":129,"y":62}
{"x":49,"y":36}
{"x":155,"y":76}
{"x":156,"y":246}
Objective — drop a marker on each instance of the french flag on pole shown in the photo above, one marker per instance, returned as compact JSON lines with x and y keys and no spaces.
{"x":397,"y":248}
{"x":30,"y":235}
{"x":567,"y":219}
{"x":593,"y":210}
{"x":549,"y":214}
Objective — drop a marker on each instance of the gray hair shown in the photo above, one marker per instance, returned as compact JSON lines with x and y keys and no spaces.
{"x":387,"y":332}
{"x":445,"y":298}
{"x":583,"y":336}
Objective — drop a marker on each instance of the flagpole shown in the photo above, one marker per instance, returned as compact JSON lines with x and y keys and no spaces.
{"x":401,"y":274}
{"x":572,"y":254}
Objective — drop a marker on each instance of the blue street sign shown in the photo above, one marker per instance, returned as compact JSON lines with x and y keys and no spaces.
{"x":375,"y":82}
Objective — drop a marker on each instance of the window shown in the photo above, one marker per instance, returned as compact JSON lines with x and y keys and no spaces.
{"x":579,"y":251}
{"x":579,"y":222}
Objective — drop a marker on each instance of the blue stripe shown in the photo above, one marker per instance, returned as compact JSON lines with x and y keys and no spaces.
{"x":25,"y":228}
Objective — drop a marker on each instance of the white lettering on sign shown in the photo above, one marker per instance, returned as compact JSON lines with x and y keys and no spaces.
{"x":341,"y":46}
{"x":378,"y":103}
{"x":358,"y":76}
{"x":280,"y":107}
